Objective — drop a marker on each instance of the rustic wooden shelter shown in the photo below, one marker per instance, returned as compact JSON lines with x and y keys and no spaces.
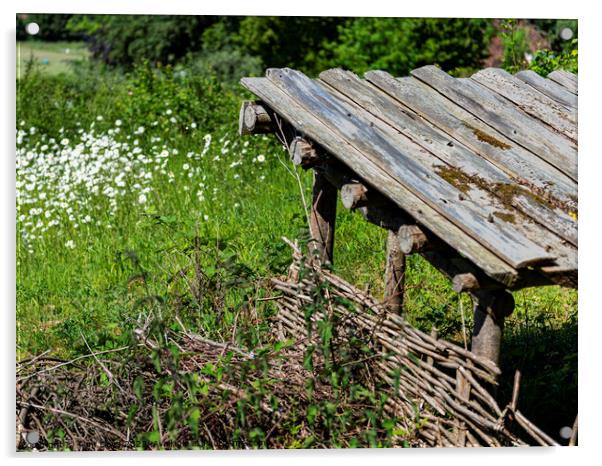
{"x":479,"y":174}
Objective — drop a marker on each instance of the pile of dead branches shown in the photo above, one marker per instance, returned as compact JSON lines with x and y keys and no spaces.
{"x":183,"y":392}
{"x":440,"y":386}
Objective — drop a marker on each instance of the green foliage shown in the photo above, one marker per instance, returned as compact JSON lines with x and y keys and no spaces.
{"x":545,"y":61}
{"x":287,"y":41}
{"x":399,"y":45}
{"x":64,"y":101}
{"x":53,"y":27}
{"x":129,"y":39}
{"x":164,"y":93}
{"x":514,"y":41}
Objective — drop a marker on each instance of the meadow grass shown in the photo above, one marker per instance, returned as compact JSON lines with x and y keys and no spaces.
{"x":121,"y":179}
{"x":52,"y":57}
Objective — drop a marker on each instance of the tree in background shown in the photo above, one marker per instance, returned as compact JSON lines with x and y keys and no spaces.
{"x":128,"y":39}
{"x":53,"y":27}
{"x":230,"y":47}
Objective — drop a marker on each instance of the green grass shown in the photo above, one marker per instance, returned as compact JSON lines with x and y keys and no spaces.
{"x":89,"y":278}
{"x":53,"y":57}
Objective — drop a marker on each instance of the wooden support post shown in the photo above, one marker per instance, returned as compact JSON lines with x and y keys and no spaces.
{"x":394,"y":274}
{"x":322,"y":217}
{"x":490,"y":310}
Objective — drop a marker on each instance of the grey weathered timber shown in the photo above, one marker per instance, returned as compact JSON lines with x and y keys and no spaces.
{"x":466,"y":164}
{"x":412,"y":239}
{"x":490,"y":310}
{"x":565,"y":254}
{"x":565,"y":79}
{"x":465,"y":282}
{"x":415,"y":239}
{"x":254,"y":119}
{"x":534,"y":103}
{"x":394,"y":274}
{"x":355,"y":195}
{"x":549,"y":88}
{"x":388,"y":185}
{"x":503,"y":116}
{"x":303,"y":153}
{"x":323,"y":217}
{"x":519,"y":163}
{"x":412,"y":167}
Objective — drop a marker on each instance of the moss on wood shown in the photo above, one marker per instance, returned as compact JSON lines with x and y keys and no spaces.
{"x":484,"y":137}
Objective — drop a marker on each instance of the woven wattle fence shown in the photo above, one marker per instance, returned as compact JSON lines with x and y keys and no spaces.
{"x":440,"y":392}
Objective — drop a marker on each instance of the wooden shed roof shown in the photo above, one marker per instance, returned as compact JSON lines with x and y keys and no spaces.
{"x":488,"y":164}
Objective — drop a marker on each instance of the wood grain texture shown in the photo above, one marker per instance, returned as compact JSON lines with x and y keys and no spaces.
{"x":395,"y":270}
{"x":323,"y":217}
{"x":412,"y":167}
{"x":565,"y":79}
{"x":500,"y":114}
{"x":533,"y":103}
{"x":388,"y":111}
{"x":308,"y":123}
{"x":462,"y":126}
{"x":549,"y":88}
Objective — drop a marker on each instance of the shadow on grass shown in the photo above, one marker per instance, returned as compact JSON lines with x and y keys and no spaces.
{"x":547,"y":359}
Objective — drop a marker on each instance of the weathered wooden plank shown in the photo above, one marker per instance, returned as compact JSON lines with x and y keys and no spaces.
{"x":549,"y":88}
{"x":466,"y":164}
{"x":413,"y":167}
{"x":532,"y":102}
{"x":565,"y":79}
{"x":287,"y":108}
{"x":505,"y":117}
{"x":489,"y":143}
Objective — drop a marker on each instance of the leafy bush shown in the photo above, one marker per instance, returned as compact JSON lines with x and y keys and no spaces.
{"x":545,"y":61}
{"x":399,"y":45}
{"x":129,"y":39}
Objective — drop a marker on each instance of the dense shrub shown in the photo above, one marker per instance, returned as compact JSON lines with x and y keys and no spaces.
{"x":128,"y":39}
{"x":399,"y":45}
{"x":545,"y":61}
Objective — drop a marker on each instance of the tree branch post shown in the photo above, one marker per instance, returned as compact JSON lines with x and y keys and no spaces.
{"x":322,"y":218}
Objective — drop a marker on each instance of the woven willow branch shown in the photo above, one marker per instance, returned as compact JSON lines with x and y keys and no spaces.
{"x":440,"y":383}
